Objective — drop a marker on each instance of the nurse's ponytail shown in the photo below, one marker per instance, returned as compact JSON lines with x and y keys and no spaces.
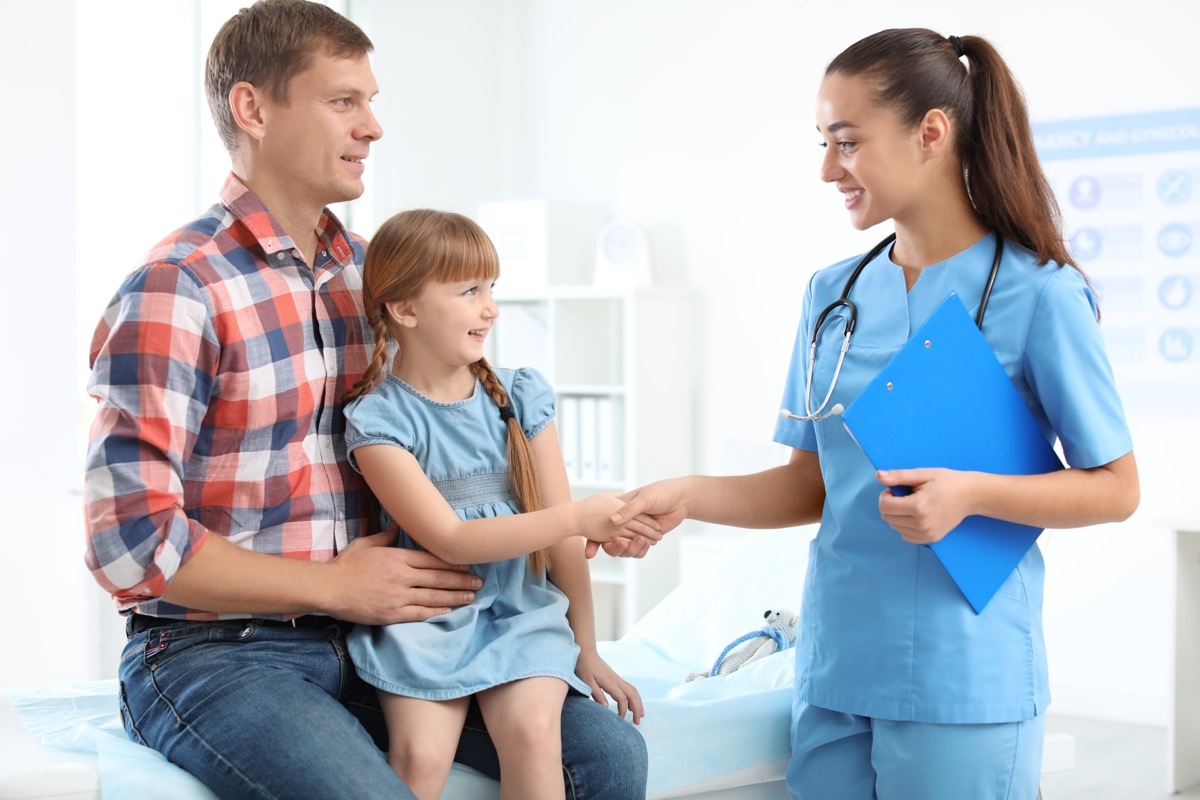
{"x":913,"y":70}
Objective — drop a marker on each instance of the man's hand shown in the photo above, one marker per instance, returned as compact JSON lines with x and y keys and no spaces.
{"x":376,"y":583}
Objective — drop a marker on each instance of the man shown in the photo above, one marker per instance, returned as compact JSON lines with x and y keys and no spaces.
{"x":222,"y":513}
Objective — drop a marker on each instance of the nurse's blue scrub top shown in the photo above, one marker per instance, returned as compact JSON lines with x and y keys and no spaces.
{"x":885,"y":632}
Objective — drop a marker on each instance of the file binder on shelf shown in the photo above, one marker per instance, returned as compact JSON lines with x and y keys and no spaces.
{"x":607,"y":444}
{"x":568,"y":435}
{"x":588,"y":441}
{"x":945,"y":401}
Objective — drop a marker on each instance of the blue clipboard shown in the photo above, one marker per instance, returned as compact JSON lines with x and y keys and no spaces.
{"x":945,"y":401}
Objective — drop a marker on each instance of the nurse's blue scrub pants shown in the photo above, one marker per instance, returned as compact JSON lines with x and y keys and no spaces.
{"x":838,"y":756}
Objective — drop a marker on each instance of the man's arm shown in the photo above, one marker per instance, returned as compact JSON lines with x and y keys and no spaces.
{"x":154,"y":358}
{"x":370,"y":582}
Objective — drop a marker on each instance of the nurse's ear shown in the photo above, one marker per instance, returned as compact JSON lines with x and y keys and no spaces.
{"x":934,"y":134}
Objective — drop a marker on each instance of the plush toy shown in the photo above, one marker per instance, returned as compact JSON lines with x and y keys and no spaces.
{"x":778,"y":634}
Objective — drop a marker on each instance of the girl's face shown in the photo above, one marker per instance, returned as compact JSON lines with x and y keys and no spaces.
{"x":452,"y":320}
{"x":872,"y":159}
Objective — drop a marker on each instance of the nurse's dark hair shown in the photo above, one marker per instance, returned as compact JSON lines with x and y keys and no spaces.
{"x":269,"y":43}
{"x":410,"y":250}
{"x":914,"y":70}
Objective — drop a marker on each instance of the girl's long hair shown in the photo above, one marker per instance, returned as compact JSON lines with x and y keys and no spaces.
{"x":913,"y":70}
{"x":410,"y":250}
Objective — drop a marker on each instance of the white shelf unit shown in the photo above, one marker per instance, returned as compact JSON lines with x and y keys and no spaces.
{"x":621,"y":363}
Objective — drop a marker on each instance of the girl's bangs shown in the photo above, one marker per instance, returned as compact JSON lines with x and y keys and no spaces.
{"x":469,"y":258}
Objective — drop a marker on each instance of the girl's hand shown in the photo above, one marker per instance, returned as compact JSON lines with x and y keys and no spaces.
{"x":940,"y":499}
{"x":658,"y":506}
{"x":596,"y":673}
{"x":596,"y":521}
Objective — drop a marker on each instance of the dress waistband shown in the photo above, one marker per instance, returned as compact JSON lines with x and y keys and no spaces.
{"x":476,"y":490}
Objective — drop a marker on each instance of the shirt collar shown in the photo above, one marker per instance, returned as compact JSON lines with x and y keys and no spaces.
{"x":249,"y":210}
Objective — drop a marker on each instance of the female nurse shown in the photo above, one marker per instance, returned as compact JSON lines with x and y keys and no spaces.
{"x":902,"y":690}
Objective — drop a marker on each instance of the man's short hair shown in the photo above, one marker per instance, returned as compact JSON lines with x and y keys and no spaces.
{"x":269,"y":43}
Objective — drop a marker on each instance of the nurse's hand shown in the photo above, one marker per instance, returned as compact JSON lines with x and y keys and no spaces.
{"x":596,"y":673}
{"x":938,"y":502}
{"x":664,"y":501}
{"x":634,"y":547}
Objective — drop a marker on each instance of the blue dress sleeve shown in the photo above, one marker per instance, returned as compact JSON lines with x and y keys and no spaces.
{"x":373,"y":419}
{"x":791,"y":432}
{"x":533,"y":400}
{"x":1069,"y":372}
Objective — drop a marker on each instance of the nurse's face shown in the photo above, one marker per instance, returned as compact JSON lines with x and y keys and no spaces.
{"x":870,"y":156}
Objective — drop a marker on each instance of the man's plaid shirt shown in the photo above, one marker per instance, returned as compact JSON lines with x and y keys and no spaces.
{"x":219,"y":367}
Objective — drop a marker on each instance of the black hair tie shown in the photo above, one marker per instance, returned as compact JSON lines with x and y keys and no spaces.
{"x":957,"y":43}
{"x":506,"y":413}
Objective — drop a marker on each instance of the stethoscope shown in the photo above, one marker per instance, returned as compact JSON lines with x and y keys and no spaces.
{"x":845,"y":309}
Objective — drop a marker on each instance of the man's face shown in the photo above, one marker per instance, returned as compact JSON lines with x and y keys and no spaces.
{"x":315,"y":145}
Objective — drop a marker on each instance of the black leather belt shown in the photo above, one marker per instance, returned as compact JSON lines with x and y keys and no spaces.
{"x":136,"y":623}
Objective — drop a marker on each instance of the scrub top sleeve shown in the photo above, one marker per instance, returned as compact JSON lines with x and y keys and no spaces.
{"x":371,"y":419}
{"x":791,"y":432}
{"x":1070,"y":374}
{"x":533,"y":400}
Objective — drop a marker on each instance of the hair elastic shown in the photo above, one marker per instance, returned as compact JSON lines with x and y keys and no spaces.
{"x":957,"y":43}
{"x":506,"y":413}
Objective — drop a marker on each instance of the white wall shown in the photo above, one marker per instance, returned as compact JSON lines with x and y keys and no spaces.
{"x":439,"y":67}
{"x":39,"y":404}
{"x":696,"y":117}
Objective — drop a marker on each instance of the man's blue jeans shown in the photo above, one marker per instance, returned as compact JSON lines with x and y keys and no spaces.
{"x":264,"y":711}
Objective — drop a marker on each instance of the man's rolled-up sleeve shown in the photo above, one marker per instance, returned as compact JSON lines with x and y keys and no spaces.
{"x":153,"y":357}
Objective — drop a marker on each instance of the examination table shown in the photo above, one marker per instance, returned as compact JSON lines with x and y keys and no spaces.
{"x":713,"y":739}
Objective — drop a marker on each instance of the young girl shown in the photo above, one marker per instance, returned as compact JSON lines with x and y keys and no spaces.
{"x":454,"y":450}
{"x":902,"y":691}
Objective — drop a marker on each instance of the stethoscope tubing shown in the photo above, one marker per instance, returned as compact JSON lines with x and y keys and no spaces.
{"x":850,"y":314}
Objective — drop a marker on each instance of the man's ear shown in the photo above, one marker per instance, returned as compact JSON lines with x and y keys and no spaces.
{"x":246,"y":101}
{"x":934,"y":132}
{"x":402,"y":313}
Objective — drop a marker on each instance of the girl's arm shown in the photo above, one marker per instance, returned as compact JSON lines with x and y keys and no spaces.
{"x":1068,"y":498}
{"x":569,"y":572}
{"x":781,"y":497}
{"x":420,"y":510}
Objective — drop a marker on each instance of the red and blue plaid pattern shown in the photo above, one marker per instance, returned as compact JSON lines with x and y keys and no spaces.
{"x":219,"y":367}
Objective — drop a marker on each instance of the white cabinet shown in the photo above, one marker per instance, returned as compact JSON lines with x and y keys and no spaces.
{"x":621,"y":361}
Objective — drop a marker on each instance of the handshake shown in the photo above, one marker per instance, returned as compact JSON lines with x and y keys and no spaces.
{"x":628,"y":524}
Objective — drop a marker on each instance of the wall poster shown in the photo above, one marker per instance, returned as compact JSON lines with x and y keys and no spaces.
{"x":1129,"y":190}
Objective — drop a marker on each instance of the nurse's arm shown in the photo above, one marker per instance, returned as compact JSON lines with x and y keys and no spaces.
{"x":792,"y":494}
{"x":1068,"y":498}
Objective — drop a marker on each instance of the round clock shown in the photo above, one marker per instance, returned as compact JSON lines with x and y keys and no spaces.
{"x":622,"y":255}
